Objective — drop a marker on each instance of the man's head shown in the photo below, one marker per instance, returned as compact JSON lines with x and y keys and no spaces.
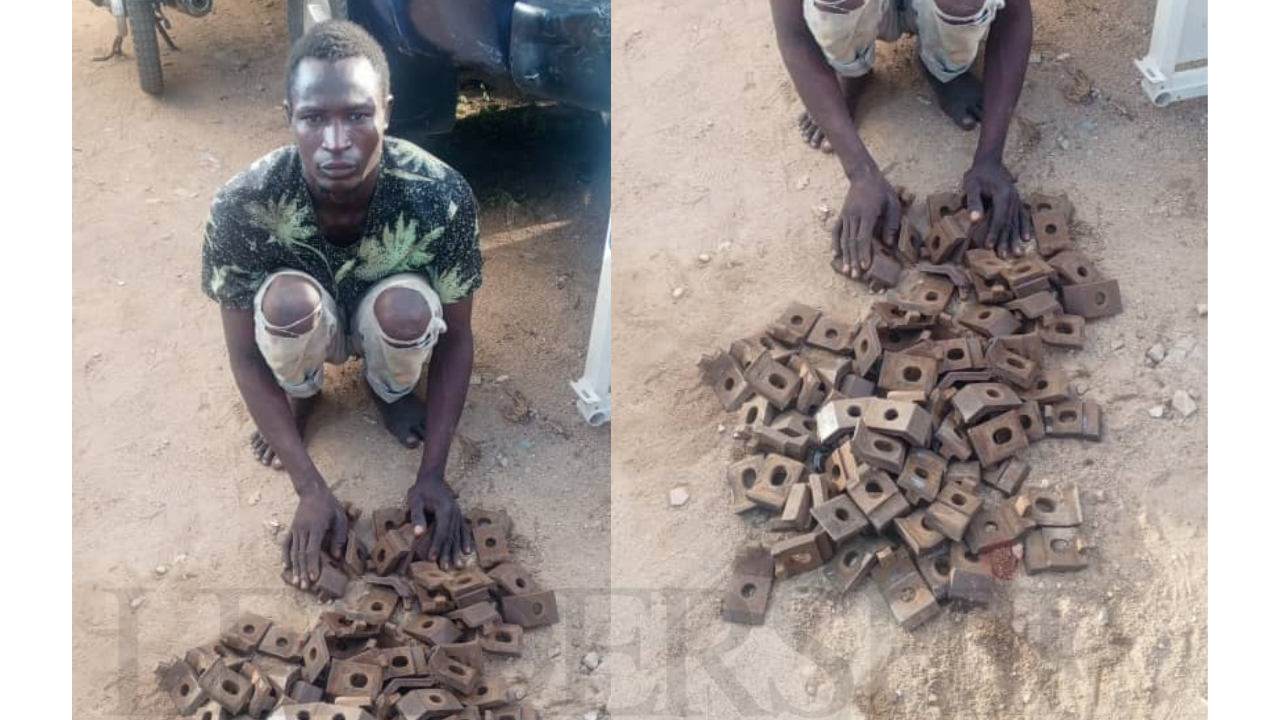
{"x":338,"y":101}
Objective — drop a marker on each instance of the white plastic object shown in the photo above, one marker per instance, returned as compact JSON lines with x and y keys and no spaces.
{"x":593,"y":389}
{"x":1176,"y":66}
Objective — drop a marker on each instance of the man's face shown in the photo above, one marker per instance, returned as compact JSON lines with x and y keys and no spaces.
{"x":338,"y":114}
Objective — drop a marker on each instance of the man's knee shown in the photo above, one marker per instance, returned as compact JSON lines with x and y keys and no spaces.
{"x":403,"y":314}
{"x":289,"y":303}
{"x":960,"y":8}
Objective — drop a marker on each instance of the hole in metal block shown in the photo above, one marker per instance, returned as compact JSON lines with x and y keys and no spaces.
{"x":1051,"y":228}
{"x":891,"y":414}
{"x":777,"y":477}
{"x":1067,"y":416}
{"x":831,"y":334}
{"x":490,"y":543}
{"x":359,"y":680}
{"x":729,"y":383}
{"x":955,"y":354}
{"x":1100,"y":299}
{"x":942,"y":566}
{"x":748,"y":478}
{"x":906,"y":594}
{"x":1045,"y":505}
{"x":1058,"y":545}
{"x":231,"y":687}
{"x":747,"y":590}
{"x":991,"y":527}
{"x":842,"y":514}
{"x":797,"y":320}
{"x":850,"y":558}
{"x":883,"y":446}
{"x":777,"y":381}
{"x":957,"y":499}
{"x":1002,"y":435}
{"x":873,"y":488}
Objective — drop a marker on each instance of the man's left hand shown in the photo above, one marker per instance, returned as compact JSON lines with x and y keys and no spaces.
{"x":450,"y":537}
{"x":1008,"y":225}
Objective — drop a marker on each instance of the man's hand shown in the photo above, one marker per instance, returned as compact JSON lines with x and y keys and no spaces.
{"x":318,"y":512}
{"x":450,"y":537}
{"x":869,"y":200}
{"x":1008,"y":225}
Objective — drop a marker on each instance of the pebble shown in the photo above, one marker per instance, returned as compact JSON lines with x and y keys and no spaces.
{"x":811,"y":686}
{"x":519,"y":693}
{"x":1063,"y":57}
{"x":1081,"y":387}
{"x":1117,"y":345}
{"x":822,"y":212}
{"x":476,"y":379}
{"x":120,"y":283}
{"x":255,"y":498}
{"x":591,"y":715}
{"x":502,"y":378}
{"x":179,"y":558}
{"x":1156,"y":411}
{"x":678,"y":497}
{"x":1183,"y":403}
{"x":504,"y":461}
{"x":932,"y":698}
{"x":1064,"y":143}
{"x":1202,"y":309}
{"x":1156,"y":353}
{"x":161,"y":570}
{"x":677,"y":293}
{"x":720,"y":428}
{"x":1104,"y":615}
{"x":591,"y":660}
{"x":136,"y":603}
{"x":704,"y":258}
{"x":1035,"y":58}
{"x":802,"y":182}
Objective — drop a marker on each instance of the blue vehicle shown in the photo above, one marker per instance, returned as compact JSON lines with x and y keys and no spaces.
{"x":552,"y":50}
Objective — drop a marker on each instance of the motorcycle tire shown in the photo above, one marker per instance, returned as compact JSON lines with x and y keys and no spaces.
{"x":337,"y":11}
{"x":146,"y":46}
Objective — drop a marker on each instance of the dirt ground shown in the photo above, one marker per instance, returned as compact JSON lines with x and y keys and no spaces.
{"x":707,"y":159}
{"x":162,"y":470}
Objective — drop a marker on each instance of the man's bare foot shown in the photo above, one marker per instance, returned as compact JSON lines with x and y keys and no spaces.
{"x":960,"y":99}
{"x":302,"y":409}
{"x":405,"y":419}
{"x":852,"y":89}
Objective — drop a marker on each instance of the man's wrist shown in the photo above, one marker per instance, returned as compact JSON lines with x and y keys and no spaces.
{"x":309,"y":485}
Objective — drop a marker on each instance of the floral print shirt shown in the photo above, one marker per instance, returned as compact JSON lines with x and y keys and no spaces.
{"x":422,"y":219}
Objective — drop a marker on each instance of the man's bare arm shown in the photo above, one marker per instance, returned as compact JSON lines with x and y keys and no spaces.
{"x":448,"y":379}
{"x":870,"y":197}
{"x":1008,"y":50}
{"x":817,"y":84}
{"x":318,"y":510}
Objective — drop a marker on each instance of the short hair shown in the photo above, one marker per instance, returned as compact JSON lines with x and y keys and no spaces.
{"x":336,"y":40}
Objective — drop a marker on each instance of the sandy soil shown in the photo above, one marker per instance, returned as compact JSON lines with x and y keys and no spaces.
{"x":163,"y":474}
{"x":707,"y":160}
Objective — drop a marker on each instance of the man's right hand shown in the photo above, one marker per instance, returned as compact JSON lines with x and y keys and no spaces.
{"x":870,"y":199}
{"x":318,"y":513}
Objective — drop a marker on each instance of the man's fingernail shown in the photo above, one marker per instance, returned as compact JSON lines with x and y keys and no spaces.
{"x":975,"y":216}
{"x":419,"y":530}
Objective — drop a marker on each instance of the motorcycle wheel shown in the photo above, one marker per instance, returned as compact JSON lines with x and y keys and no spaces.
{"x":297,"y":8}
{"x":146,"y":46}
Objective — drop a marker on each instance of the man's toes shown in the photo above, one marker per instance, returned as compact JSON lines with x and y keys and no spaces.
{"x":275,"y":462}
{"x":408,"y":439}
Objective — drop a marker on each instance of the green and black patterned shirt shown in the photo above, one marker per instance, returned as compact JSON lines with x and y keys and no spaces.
{"x":422,"y":219}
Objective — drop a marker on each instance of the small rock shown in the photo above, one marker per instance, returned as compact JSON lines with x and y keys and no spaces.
{"x":1104,"y":615}
{"x":136,"y":603}
{"x":1202,"y":309}
{"x":1081,"y":387}
{"x":1156,"y":353}
{"x":120,"y":283}
{"x":720,"y":428}
{"x":677,"y":293}
{"x":1063,"y":57}
{"x":591,"y":715}
{"x":476,"y":379}
{"x":255,"y":498}
{"x":1117,"y":345}
{"x":678,"y":497}
{"x":724,"y":245}
{"x":1183,"y":403}
{"x":1017,"y":551}
{"x":161,"y":570}
{"x":822,"y":212}
{"x":591,"y":660}
{"x":179,"y":558}
{"x":932,"y":698}
{"x":704,"y":258}
{"x":519,"y":693}
{"x":811,"y":686}
{"x":1156,"y":411}
{"x":802,"y":182}
{"x":502,"y":378}
{"x":1035,"y":58}
{"x":1064,"y":144}
{"x":504,"y":461}
{"x":1194,"y":395}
